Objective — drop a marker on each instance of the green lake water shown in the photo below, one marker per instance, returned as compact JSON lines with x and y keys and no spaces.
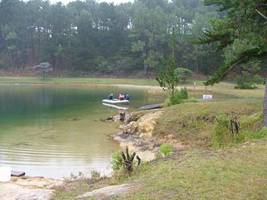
{"x":53,"y":131}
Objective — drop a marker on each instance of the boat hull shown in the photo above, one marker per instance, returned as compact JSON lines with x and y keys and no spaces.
{"x":115,"y":101}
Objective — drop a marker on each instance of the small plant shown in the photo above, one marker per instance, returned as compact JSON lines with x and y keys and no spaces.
{"x":177,"y":98}
{"x":128,"y":160}
{"x":248,"y":81}
{"x":166,"y":149}
{"x":95,"y":175}
{"x":125,"y":160}
{"x":167,"y":78}
{"x":117,"y":162}
{"x":227,"y":130}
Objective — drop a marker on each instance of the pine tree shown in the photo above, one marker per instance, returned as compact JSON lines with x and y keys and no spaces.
{"x":241,"y":32}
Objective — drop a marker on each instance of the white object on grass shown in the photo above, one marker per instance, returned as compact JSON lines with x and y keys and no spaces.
{"x":207,"y":97}
{"x":5,"y":174}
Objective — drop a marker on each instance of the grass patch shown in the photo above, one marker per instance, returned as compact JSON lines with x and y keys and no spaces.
{"x":235,"y":173}
{"x":193,"y":123}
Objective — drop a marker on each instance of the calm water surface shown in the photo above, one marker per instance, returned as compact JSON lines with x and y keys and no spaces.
{"x":54,"y":131}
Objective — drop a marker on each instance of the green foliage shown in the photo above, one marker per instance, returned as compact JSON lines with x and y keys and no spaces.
{"x":125,"y":160}
{"x":167,"y":78}
{"x":166,"y":149}
{"x":117,"y":162}
{"x":245,"y":82}
{"x":240,"y":32}
{"x":95,"y":175}
{"x":223,"y":135}
{"x":259,"y":134}
{"x":178,"y":97}
{"x":183,"y":74}
{"x":249,"y":78}
{"x":91,"y":37}
{"x":250,"y":128}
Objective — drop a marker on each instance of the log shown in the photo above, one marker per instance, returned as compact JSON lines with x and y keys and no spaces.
{"x":17,"y":173}
{"x":151,"y":107}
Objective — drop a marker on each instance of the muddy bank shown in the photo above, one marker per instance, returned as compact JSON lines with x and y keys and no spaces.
{"x":137,"y":133}
{"x":28,"y":188}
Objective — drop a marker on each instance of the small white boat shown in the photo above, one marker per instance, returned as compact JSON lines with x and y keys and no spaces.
{"x":114,"y":106}
{"x":115,"y":101}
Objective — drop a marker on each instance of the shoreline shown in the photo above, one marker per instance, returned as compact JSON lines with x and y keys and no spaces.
{"x":29,"y":188}
{"x":136,"y":133}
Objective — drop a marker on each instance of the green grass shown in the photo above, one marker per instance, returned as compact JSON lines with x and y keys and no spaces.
{"x":235,"y":173}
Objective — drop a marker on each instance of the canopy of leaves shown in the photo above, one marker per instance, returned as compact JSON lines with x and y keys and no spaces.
{"x":241,"y":31}
{"x":91,"y":37}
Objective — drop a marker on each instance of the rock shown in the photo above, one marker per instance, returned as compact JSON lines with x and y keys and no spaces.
{"x":130,"y":128}
{"x":17,"y":173}
{"x":110,"y":191}
{"x":28,"y":188}
{"x":11,"y":191}
{"x":146,"y":124}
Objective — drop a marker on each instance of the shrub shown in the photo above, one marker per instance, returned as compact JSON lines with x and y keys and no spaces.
{"x":177,"y":98}
{"x":125,"y":160}
{"x":166,"y":77}
{"x":95,"y":175}
{"x":117,"y":162}
{"x":166,"y":149}
{"x":253,"y":122}
{"x":262,"y":133}
{"x":227,"y":131}
{"x":224,"y":134}
{"x":248,"y":81}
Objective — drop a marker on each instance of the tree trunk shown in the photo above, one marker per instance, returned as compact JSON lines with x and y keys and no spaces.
{"x":265,"y":106}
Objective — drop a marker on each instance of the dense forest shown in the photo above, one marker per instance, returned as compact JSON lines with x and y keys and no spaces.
{"x":86,"y":37}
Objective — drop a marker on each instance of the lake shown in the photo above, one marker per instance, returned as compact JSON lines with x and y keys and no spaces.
{"x":56,"y":131}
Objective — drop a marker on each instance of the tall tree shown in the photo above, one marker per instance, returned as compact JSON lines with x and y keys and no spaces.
{"x":241,"y":32}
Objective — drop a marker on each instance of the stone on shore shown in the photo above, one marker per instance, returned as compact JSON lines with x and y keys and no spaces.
{"x":110,"y":191}
{"x":28,"y":188}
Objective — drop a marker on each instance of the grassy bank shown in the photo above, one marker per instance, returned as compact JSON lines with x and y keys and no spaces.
{"x":64,"y":80}
{"x":237,"y":171}
{"x":234,"y":173}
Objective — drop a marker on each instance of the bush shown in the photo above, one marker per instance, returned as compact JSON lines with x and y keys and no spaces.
{"x":125,"y":160}
{"x":166,"y":149}
{"x":248,"y":81}
{"x":224,"y":133}
{"x":262,"y":133}
{"x":95,"y":175}
{"x":177,"y":98}
{"x":183,"y":74}
{"x":117,"y":162}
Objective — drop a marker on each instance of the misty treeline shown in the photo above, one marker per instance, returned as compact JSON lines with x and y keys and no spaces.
{"x":89,"y":37}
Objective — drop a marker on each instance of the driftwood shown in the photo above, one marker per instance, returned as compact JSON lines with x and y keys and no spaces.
{"x":151,"y":107}
{"x":17,"y":173}
{"x":234,"y":125}
{"x":128,"y":160}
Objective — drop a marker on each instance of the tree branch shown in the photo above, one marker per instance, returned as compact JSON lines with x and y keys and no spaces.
{"x":261,"y":14}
